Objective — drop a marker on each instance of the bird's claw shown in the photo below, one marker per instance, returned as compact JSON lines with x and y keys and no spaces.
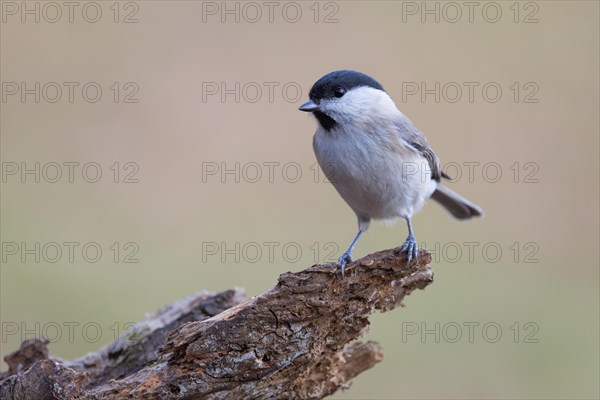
{"x":411,"y":249}
{"x":343,"y":260}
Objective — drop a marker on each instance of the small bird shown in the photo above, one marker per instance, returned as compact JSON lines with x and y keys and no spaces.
{"x":377,"y":160}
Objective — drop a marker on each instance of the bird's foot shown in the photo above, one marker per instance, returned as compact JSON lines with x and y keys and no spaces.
{"x":343,"y":260}
{"x":411,"y":248}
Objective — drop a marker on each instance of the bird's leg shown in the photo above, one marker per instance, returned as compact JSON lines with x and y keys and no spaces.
{"x":410,"y":246}
{"x":347,"y":256}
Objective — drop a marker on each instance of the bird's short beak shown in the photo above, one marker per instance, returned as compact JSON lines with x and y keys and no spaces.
{"x":309,"y":106}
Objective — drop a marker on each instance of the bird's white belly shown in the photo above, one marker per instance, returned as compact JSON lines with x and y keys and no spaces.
{"x":377,"y":181}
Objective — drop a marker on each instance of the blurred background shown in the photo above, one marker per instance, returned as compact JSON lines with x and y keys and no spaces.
{"x":152,"y":149}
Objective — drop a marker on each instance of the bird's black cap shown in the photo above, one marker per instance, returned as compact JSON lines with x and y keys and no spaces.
{"x":325,"y":87}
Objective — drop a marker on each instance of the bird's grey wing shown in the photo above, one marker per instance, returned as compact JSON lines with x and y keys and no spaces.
{"x":415,"y":139}
{"x":453,"y":202}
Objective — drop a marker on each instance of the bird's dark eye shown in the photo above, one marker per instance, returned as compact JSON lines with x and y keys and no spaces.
{"x":339,"y":92}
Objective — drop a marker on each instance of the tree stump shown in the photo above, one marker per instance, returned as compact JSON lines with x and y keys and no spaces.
{"x":295,"y":341}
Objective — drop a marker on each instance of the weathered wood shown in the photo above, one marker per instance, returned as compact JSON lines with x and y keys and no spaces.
{"x":295,"y":341}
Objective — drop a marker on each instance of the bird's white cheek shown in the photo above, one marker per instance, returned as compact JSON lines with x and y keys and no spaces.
{"x":332,"y":107}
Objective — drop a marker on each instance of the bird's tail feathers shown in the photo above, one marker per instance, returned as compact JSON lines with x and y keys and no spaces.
{"x":457,"y":205}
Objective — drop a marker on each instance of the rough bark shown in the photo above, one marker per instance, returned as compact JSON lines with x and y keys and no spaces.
{"x":295,"y":341}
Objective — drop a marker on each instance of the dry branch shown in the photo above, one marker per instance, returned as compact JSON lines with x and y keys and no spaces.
{"x":294,"y":341}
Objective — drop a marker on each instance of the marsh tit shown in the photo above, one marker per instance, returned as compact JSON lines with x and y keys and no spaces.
{"x":374,"y":156}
